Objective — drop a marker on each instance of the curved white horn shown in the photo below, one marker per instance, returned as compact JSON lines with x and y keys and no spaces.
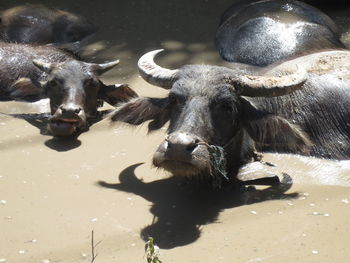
{"x":153,"y":73}
{"x":269,"y":86}
{"x":104,"y":67}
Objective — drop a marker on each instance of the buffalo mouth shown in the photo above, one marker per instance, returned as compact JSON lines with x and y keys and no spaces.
{"x":179,"y":168}
{"x":63,"y":127}
{"x":188,"y":165}
{"x":206,"y":163}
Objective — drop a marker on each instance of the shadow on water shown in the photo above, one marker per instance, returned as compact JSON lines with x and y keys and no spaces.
{"x":63,"y":144}
{"x":180,"y":208}
{"x":39,"y":120}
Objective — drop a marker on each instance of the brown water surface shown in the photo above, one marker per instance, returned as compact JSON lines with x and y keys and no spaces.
{"x":53,"y":193}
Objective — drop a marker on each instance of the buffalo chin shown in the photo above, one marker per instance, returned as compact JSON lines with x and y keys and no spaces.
{"x":198,"y":164}
{"x":178,"y":168}
{"x":62,"y":128}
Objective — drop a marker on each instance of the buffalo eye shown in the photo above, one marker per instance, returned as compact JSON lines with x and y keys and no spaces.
{"x":54,"y":86}
{"x":226,"y":107}
{"x":91,"y":83}
{"x":53,"y":83}
{"x":224,"y":116}
{"x":176,"y":99}
{"x":223,"y":108}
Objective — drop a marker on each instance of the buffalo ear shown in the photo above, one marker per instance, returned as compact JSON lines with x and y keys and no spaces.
{"x":24,"y":89}
{"x":139,"y":110}
{"x":114,"y":94}
{"x":271,"y":131}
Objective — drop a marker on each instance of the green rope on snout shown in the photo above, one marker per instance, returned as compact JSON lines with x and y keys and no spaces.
{"x":218,"y":160}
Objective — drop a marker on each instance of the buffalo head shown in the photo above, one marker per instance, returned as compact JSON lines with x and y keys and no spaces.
{"x":212,"y":120}
{"x":74,"y":89}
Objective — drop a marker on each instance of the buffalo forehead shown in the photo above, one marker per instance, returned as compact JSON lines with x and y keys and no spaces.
{"x":73,"y":69}
{"x":203,"y":80}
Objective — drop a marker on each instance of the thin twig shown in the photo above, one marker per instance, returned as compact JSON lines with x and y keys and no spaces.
{"x":93,"y":246}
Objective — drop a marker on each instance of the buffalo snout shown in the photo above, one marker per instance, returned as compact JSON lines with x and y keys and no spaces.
{"x":182,"y":154}
{"x":181,"y":144}
{"x":67,"y":119}
{"x":70,"y":110}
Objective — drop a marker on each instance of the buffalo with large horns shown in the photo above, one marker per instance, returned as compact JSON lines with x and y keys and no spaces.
{"x":221,"y":115}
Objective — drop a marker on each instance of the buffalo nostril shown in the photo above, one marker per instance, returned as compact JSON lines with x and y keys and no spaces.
{"x":77,"y":110}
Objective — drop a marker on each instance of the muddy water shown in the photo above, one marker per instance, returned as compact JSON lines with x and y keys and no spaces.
{"x":54,"y":193}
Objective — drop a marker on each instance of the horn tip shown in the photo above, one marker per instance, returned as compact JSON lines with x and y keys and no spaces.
{"x":149,"y":55}
{"x":155,"y":52}
{"x":39,"y":62}
{"x":36,"y":61}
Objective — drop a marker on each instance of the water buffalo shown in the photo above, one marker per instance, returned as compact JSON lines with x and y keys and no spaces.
{"x":263,"y":32}
{"x":40,"y":24}
{"x":32,"y":72}
{"x":221,"y":115}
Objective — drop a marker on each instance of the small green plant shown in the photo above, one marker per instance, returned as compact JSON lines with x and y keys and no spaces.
{"x":152,"y":251}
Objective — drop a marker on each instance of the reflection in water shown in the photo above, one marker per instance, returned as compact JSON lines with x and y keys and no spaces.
{"x":180,"y":208}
